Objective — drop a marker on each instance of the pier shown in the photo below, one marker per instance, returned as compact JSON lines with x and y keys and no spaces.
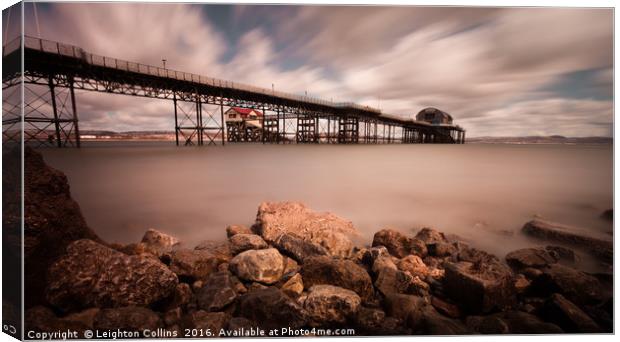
{"x":61,"y":69}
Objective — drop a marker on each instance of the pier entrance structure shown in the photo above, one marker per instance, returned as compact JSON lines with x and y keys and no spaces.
{"x":53,"y":71}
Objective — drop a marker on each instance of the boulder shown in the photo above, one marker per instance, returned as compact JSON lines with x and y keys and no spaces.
{"x":571,"y":235}
{"x":369,"y":320}
{"x":568,"y":316}
{"x":239,"y":323}
{"x":91,"y":274}
{"x":579,"y":287}
{"x":172,"y":317}
{"x":328,"y":305}
{"x":326,"y":229}
{"x":243,"y":242}
{"x":207,"y":324}
{"x":294,"y":286}
{"x":51,"y":221}
{"x":220,"y":250}
{"x":41,"y":319}
{"x":391,"y":281}
{"x":128,"y":318}
{"x":479,"y":287}
{"x":406,"y":308}
{"x":237,"y":229}
{"x":441,"y":249}
{"x":217,"y":292}
{"x":511,"y":322}
{"x":433,"y":323}
{"x":530,"y":257}
{"x":398,"y":244}
{"x":414,"y":265}
{"x":270,"y":308}
{"x":339,"y":272}
{"x":192,"y":265}
{"x":262,"y":265}
{"x":564,"y":254}
{"x":85,"y":317}
{"x":180,"y":298}
{"x":298,"y":248}
{"x":159,"y":242}
{"x":430,"y":236}
{"x":383,"y":262}
{"x":445,"y":308}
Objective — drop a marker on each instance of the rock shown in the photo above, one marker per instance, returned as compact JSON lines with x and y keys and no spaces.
{"x":43,"y":320}
{"x":521,"y":283}
{"x":530,"y":257}
{"x":571,"y":235}
{"x":217,"y":292}
{"x":414,"y":265}
{"x":91,"y":274}
{"x":512,"y":322}
{"x":531,"y":273}
{"x":568,"y":316}
{"x":608,"y":215}
{"x":441,"y":249}
{"x":270,"y":308}
{"x":445,"y":308}
{"x":325,"y":229}
{"x":257,"y":286}
{"x":328,"y":305}
{"x":369,"y":321}
{"x":433,"y":323}
{"x":52,"y":220}
{"x":298,"y":248}
{"x":383,"y":262}
{"x":192,"y":265}
{"x":237,"y":229}
{"x":430,"y":236}
{"x":294,"y":286}
{"x":239,"y":323}
{"x":398,"y":244}
{"x":85,"y":317}
{"x":395,"y":281}
{"x":172,"y":317}
{"x":406,"y":308}
{"x":370,"y":255}
{"x":579,"y":287}
{"x":243,"y":242}
{"x":159,"y":242}
{"x":563,"y":254}
{"x":207,"y":324}
{"x":128,"y":318}
{"x":479,"y":287}
{"x":290,"y":266}
{"x":180,"y":298}
{"x":339,"y":272}
{"x":220,"y":250}
{"x":263,"y":265}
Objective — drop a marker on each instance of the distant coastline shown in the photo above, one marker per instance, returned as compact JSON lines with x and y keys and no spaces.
{"x":96,"y":135}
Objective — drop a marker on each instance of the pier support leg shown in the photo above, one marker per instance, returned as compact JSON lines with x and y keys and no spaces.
{"x":76,"y":126}
{"x":176,"y":119}
{"x":55,"y":111}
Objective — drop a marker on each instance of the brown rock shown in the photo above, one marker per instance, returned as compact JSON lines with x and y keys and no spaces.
{"x":237,"y":229}
{"x":391,"y":281}
{"x":325,"y":229}
{"x":433,"y":323}
{"x":511,"y":322}
{"x":298,"y":248}
{"x":430,"y":235}
{"x":339,"y":272}
{"x":85,"y":317}
{"x":579,"y":287}
{"x":172,"y":317}
{"x":243,"y":242}
{"x":159,"y":242}
{"x":568,"y":316}
{"x":193,"y":264}
{"x":43,"y":320}
{"x":91,"y":274}
{"x":294,"y":286}
{"x":219,"y":249}
{"x":207,"y":324}
{"x":530,"y":257}
{"x":405,"y":308}
{"x":218,"y":292}
{"x":441,"y":249}
{"x":414,"y":265}
{"x":398,"y":244}
{"x":521,"y":283}
{"x":445,"y":308}
{"x":327,"y":305}
{"x":270,"y":308}
{"x":369,"y":320}
{"x":564,"y":254}
{"x":263,"y":265}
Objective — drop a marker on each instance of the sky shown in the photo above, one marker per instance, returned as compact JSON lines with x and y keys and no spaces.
{"x":498,"y":71}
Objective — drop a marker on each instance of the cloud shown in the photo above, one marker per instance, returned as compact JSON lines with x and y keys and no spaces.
{"x":487,"y":67}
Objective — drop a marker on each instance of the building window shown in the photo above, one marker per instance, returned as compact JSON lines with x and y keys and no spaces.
{"x":232,"y":116}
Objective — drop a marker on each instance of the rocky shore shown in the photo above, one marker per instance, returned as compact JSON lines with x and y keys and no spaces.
{"x":300,"y":270}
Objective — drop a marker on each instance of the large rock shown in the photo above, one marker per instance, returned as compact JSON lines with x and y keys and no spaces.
{"x":434,"y":323}
{"x":219,"y":249}
{"x":237,"y":229}
{"x":579,"y":287}
{"x":405,"y":308}
{"x":430,"y":235}
{"x":40,"y":319}
{"x":159,"y":242}
{"x":129,"y":319}
{"x":511,"y":322}
{"x":297,"y":248}
{"x":91,"y":274}
{"x":572,"y":235}
{"x":217,"y":292}
{"x":326,"y":229}
{"x":294,"y":286}
{"x":569,"y":316}
{"x":52,"y":220}
{"x":530,"y":257}
{"x":206,"y":324}
{"x":390,"y":280}
{"x":479,"y":287}
{"x":398,"y":244}
{"x":263,"y":265}
{"x":331,"y":305}
{"x":191,"y":264}
{"x":339,"y":272}
{"x":270,"y":308}
{"x":414,"y":265}
{"x":243,"y":242}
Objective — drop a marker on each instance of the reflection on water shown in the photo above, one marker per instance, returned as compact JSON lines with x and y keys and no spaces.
{"x":483,"y":193}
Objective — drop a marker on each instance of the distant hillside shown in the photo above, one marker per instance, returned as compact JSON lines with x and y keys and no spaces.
{"x":552,"y":139}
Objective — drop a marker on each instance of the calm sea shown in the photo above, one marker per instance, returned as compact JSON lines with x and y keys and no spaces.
{"x":482,"y":193}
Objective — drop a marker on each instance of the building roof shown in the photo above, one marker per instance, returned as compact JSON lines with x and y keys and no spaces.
{"x":432,"y":110}
{"x":246,"y":111}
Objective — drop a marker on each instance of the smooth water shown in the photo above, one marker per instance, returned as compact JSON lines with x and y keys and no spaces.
{"x":482,"y":193}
